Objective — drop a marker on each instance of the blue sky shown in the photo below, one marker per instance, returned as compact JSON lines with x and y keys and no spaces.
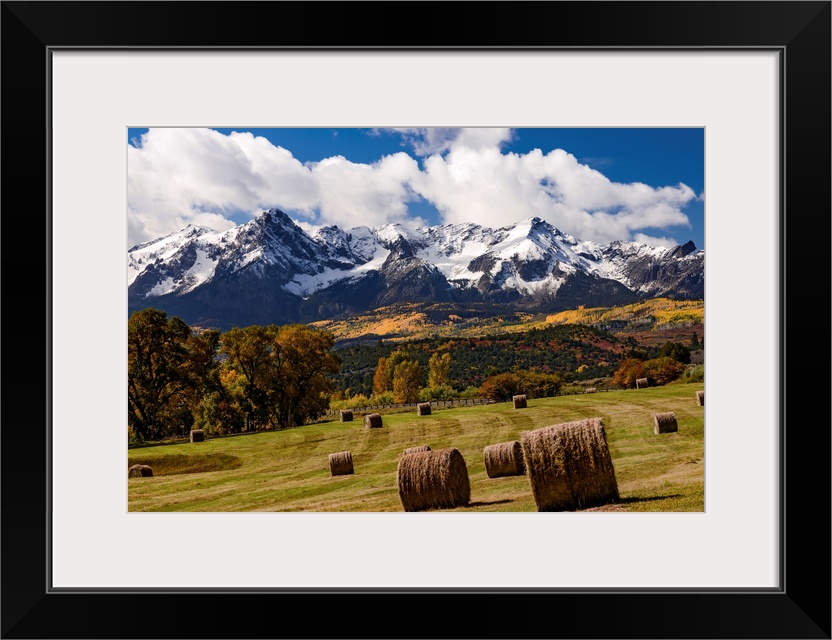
{"x":644,"y":184}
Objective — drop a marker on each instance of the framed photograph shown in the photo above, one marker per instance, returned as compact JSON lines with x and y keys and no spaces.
{"x":94,"y":87}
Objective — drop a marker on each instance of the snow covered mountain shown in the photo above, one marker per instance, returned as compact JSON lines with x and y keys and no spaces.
{"x":271,"y":271}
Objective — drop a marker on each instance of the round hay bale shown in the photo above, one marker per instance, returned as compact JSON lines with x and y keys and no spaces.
{"x":197,"y":435}
{"x":641,"y":382}
{"x":423,"y":409}
{"x":519,"y":401}
{"x":433,"y":480}
{"x":591,"y":390}
{"x":700,"y":398}
{"x":372,"y":421}
{"x":140,"y":471}
{"x":504,"y":459}
{"x":665,"y":423}
{"x":569,"y":466}
{"x":340,"y":464}
{"x":410,"y":450}
{"x":346,"y":415}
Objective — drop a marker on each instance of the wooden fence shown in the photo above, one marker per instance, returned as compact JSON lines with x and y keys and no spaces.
{"x":463,"y":402}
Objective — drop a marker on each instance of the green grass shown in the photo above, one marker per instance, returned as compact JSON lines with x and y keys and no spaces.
{"x":289,"y":470}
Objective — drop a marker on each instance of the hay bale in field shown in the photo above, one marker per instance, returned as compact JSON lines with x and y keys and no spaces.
{"x":346,"y":415}
{"x":700,"y":398}
{"x":423,"y":409}
{"x":590,"y":390}
{"x":665,"y":423}
{"x":410,"y":450}
{"x":641,"y":382}
{"x":569,"y":466}
{"x":197,"y":435}
{"x":372,"y":421}
{"x":504,"y":459}
{"x":433,"y":480}
{"x":340,"y":464}
{"x":140,"y":471}
{"x":519,"y":401}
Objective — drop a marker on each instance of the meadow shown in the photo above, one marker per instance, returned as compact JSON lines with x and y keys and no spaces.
{"x":288,"y":470}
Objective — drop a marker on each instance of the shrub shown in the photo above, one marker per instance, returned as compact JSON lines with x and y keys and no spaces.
{"x":630,"y":370}
{"x":503,"y":386}
{"x":380,"y":398}
{"x":441,"y":392}
{"x":662,"y":370}
{"x":694,"y":374}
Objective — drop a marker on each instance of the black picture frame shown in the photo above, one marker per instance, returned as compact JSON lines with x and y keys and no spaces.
{"x":800,"y":608}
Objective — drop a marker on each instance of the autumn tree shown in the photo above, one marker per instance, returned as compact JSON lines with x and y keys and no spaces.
{"x":287,"y":372}
{"x":396,"y":358}
{"x":381,"y":383}
{"x":439,"y":370}
{"x":630,"y":370}
{"x":662,"y":370}
{"x":303,"y":366}
{"x":407,"y":379}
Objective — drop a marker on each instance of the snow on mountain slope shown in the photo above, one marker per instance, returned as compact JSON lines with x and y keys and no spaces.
{"x":527,"y":258}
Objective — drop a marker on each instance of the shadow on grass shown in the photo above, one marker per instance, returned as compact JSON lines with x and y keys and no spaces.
{"x":486,"y":503}
{"x":650,"y":499}
{"x":187,"y":463}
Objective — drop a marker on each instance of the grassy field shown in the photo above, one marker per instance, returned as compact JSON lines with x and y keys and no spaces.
{"x":289,"y":470}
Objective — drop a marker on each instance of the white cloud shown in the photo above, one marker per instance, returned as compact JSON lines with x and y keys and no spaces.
{"x":182,"y":176}
{"x":200,"y":176}
{"x":365,"y":194}
{"x":432,"y":140}
{"x":654,"y":242}
{"x":495,"y":189}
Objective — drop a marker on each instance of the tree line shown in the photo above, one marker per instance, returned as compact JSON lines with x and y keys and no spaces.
{"x":246,"y":379}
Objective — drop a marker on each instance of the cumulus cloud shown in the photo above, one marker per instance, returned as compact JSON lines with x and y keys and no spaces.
{"x":654,"y":242}
{"x":495,"y":189}
{"x":432,"y":140}
{"x":199,"y":176}
{"x":178,"y":177}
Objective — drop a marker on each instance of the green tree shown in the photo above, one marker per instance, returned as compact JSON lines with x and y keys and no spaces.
{"x":439,"y":370}
{"x":694,"y":341}
{"x":249,"y":353}
{"x":159,"y":373}
{"x":677,"y":351}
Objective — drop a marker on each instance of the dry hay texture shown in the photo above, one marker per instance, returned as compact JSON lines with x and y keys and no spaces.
{"x":504,"y":459}
{"x":433,"y":480}
{"x":423,"y":409}
{"x":700,"y":398}
{"x":519,"y":402}
{"x":346,"y":415}
{"x":372,"y":421}
{"x":197,"y":435}
{"x":569,"y":466}
{"x":140,"y":471}
{"x":641,"y":382}
{"x":410,"y":450}
{"x":665,"y":423}
{"x":340,"y":464}
{"x":591,"y":390}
